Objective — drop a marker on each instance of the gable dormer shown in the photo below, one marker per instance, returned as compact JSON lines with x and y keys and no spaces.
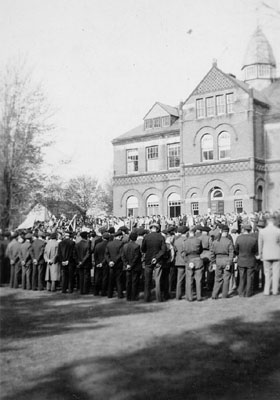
{"x":160,"y":116}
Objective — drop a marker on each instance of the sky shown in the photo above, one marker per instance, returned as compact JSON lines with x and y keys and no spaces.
{"x":103,"y":64}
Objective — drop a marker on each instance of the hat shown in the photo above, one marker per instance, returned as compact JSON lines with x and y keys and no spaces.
{"x":171,"y":229}
{"x":133,"y":236}
{"x":154,"y":225}
{"x":106,"y":235}
{"x":124,"y":229}
{"x":111,"y":230}
{"x":84,"y":235}
{"x":118,"y":233}
{"x":183,"y":229}
{"x":224,"y":227}
{"x":233,"y":230}
{"x":53,"y":235}
{"x":102,"y":230}
{"x":199,"y":228}
{"x":28,"y":236}
{"x":247,"y":227}
{"x":141,"y":231}
{"x":14,"y":235}
{"x":205,"y":229}
{"x":261,"y":223}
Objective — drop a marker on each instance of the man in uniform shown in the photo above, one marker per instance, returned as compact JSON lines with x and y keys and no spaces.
{"x":26,"y":261}
{"x":222,"y":253}
{"x":192,"y":249}
{"x":246,"y":249}
{"x":180,"y":238}
{"x":154,"y":248}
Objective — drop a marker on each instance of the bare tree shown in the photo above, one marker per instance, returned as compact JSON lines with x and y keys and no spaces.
{"x":24,"y":124}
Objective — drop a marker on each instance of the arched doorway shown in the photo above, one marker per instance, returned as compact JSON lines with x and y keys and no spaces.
{"x":132,"y":206}
{"x":174,"y":205}
{"x":152,"y":205}
{"x":216,"y":200}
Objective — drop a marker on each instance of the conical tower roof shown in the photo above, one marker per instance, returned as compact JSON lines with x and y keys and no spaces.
{"x":259,"y":50}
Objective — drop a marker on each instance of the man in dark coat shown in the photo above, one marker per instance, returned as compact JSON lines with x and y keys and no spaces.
{"x":65,"y":257}
{"x":38,"y":268}
{"x":246,"y":248}
{"x":101,"y":269}
{"x":113,"y":256}
{"x":132,"y":262}
{"x":82,"y":257}
{"x":26,"y":261}
{"x":154,"y":247}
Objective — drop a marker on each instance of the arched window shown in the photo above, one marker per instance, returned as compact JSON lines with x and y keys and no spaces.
{"x":217,"y":194}
{"x":152,"y":205}
{"x":132,"y":206}
{"x":224,"y":145}
{"x":174,"y":205}
{"x":207,"y":147}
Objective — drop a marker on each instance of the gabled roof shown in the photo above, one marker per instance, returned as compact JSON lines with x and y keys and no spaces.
{"x":216,"y":80}
{"x":169,"y":109}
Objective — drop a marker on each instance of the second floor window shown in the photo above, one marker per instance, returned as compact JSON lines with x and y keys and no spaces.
{"x":210,"y":106}
{"x":200,"y":111}
{"x":220,"y":103}
{"x":174,"y":155}
{"x":229,"y":97}
{"x":224,"y":145}
{"x":132,"y":160}
{"x":207,"y":147}
{"x":152,"y":158}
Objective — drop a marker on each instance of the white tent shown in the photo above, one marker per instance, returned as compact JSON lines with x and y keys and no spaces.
{"x":38,"y":213}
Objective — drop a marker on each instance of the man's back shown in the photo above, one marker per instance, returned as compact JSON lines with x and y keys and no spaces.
{"x":269,"y":243}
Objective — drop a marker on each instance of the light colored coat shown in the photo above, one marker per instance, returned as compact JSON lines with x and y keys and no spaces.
{"x":269,"y":242}
{"x":50,"y":254}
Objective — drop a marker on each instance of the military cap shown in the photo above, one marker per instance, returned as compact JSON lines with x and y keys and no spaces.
{"x":106,"y":235}
{"x":141,"y":231}
{"x":28,"y":236}
{"x":111,"y":230}
{"x":124,"y":229}
{"x":224,"y":227}
{"x":199,"y":227}
{"x":118,"y":233}
{"x":183,"y":229}
{"x":247,"y":227}
{"x":205,"y":229}
{"x":133,"y":236}
{"x":14,"y":235}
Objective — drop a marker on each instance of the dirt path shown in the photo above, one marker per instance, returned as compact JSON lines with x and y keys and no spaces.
{"x":56,"y":346}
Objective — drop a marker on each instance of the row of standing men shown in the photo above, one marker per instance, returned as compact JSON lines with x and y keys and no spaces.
{"x":190,"y":262}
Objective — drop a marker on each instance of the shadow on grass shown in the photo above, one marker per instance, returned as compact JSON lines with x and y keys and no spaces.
{"x":231,"y":360}
{"x":49,"y":314}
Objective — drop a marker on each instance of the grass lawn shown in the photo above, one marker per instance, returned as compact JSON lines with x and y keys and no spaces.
{"x":56,"y":346}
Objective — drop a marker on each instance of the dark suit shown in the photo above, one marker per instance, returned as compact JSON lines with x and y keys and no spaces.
{"x":154,"y":247}
{"x":26,"y":263}
{"x":82,"y":257}
{"x":38,"y":270}
{"x":132,"y":257}
{"x":113,"y":254}
{"x":246,"y":248}
{"x":101,"y":269}
{"x":65,"y":257}
{"x":222,"y":252}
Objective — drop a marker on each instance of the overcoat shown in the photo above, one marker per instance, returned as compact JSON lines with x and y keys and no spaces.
{"x":50,"y":256}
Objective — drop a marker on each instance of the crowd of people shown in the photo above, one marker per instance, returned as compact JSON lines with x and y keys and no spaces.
{"x":191,"y":257}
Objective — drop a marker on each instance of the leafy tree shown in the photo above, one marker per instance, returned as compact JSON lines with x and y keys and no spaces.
{"x":24,"y":116}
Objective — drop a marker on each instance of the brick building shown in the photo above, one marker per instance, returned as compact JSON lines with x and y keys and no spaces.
{"x":218,"y":150}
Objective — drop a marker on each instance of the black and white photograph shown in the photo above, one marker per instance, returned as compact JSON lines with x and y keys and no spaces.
{"x":140,"y":200}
